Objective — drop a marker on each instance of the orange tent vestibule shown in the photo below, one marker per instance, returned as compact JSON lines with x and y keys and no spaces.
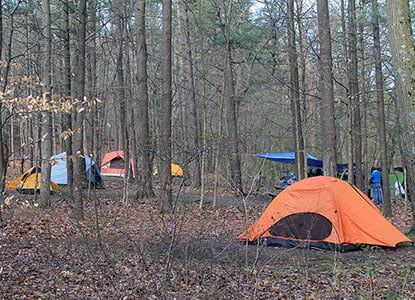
{"x":323,"y":212}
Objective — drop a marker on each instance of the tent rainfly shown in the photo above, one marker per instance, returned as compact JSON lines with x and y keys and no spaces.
{"x":113,"y":164}
{"x":60,"y":176}
{"x":326,"y":213}
{"x":289,"y":158}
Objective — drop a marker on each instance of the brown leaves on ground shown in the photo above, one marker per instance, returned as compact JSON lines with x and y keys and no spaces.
{"x":129,"y":251}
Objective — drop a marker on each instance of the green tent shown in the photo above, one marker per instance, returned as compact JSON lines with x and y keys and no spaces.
{"x":396,"y":179}
{"x":396,"y":176}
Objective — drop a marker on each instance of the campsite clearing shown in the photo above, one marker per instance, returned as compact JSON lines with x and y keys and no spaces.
{"x":121,"y":252}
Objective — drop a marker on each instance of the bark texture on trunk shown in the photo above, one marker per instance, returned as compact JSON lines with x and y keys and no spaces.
{"x":354,"y":95}
{"x":67,"y":117}
{"x":381,"y":110}
{"x":3,"y":148}
{"x":189,"y":95}
{"x":350,"y":114}
{"x":295,"y":94}
{"x":328,"y":129}
{"x":47,"y":116}
{"x":92,"y":115}
{"x":166,"y":109}
{"x":403,"y":60}
{"x":79,"y":161}
{"x":230,"y":104}
{"x":124,"y":145}
{"x":363,"y":102}
{"x":144,"y":167}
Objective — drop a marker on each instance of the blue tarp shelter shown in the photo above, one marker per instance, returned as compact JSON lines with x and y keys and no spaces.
{"x":289,"y":158}
{"x":59,"y":171}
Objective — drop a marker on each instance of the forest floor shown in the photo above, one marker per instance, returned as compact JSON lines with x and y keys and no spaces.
{"x":127,"y":250}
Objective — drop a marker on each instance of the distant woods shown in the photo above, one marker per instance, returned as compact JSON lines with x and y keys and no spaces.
{"x":206,"y":84}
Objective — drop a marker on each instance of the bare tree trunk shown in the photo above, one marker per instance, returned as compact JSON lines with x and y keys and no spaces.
{"x":1,"y":29}
{"x":95,"y":109}
{"x":230,"y":102}
{"x":67,"y":117}
{"x":166,"y":109}
{"x":47,"y":117}
{"x":327,"y":104}
{"x":203,"y":135}
{"x":92,"y":122}
{"x":190,"y":96}
{"x":3,"y":121}
{"x":23,"y":141}
{"x":143,"y":169}
{"x":312,"y":110}
{"x":3,"y":152}
{"x":364,"y":100}
{"x":307,"y":103}
{"x":11,"y":142}
{"x":403,"y":59}
{"x":381,"y":110}
{"x":79,"y":160}
{"x":217,"y":153}
{"x":120,"y":23}
{"x":350,"y":114}
{"x":295,"y":93}
{"x":131,"y":146}
{"x":354,"y":94}
{"x":203,"y":162}
{"x":37,"y":135}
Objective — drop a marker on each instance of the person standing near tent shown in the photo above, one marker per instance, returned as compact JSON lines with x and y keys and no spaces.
{"x":376,"y":181}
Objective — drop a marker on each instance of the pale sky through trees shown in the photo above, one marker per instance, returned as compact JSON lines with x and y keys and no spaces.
{"x":256,"y":6}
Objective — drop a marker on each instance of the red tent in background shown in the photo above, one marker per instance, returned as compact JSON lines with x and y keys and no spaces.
{"x":113,"y":164}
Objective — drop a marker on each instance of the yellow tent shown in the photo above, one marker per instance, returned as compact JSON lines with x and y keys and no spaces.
{"x":29,"y":181}
{"x":176,"y":170}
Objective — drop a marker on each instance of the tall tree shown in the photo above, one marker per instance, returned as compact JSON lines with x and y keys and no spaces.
{"x":92,"y":122}
{"x":403,"y":59}
{"x":67,"y":117}
{"x":189,"y":94}
{"x":363,"y":99}
{"x":327,"y":96}
{"x":120,"y":23}
{"x":350,"y":107}
{"x":381,"y":110}
{"x":229,"y":97}
{"x":166,"y":108}
{"x":1,"y":29}
{"x":3,"y":150}
{"x":47,"y":116}
{"x":145,"y":188}
{"x":79,"y":161}
{"x":4,"y":116}
{"x":354,"y":94}
{"x":294,"y":91}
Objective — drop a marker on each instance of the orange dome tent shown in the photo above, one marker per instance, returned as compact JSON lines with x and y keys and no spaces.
{"x":323,"y":212}
{"x":113,"y":164}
